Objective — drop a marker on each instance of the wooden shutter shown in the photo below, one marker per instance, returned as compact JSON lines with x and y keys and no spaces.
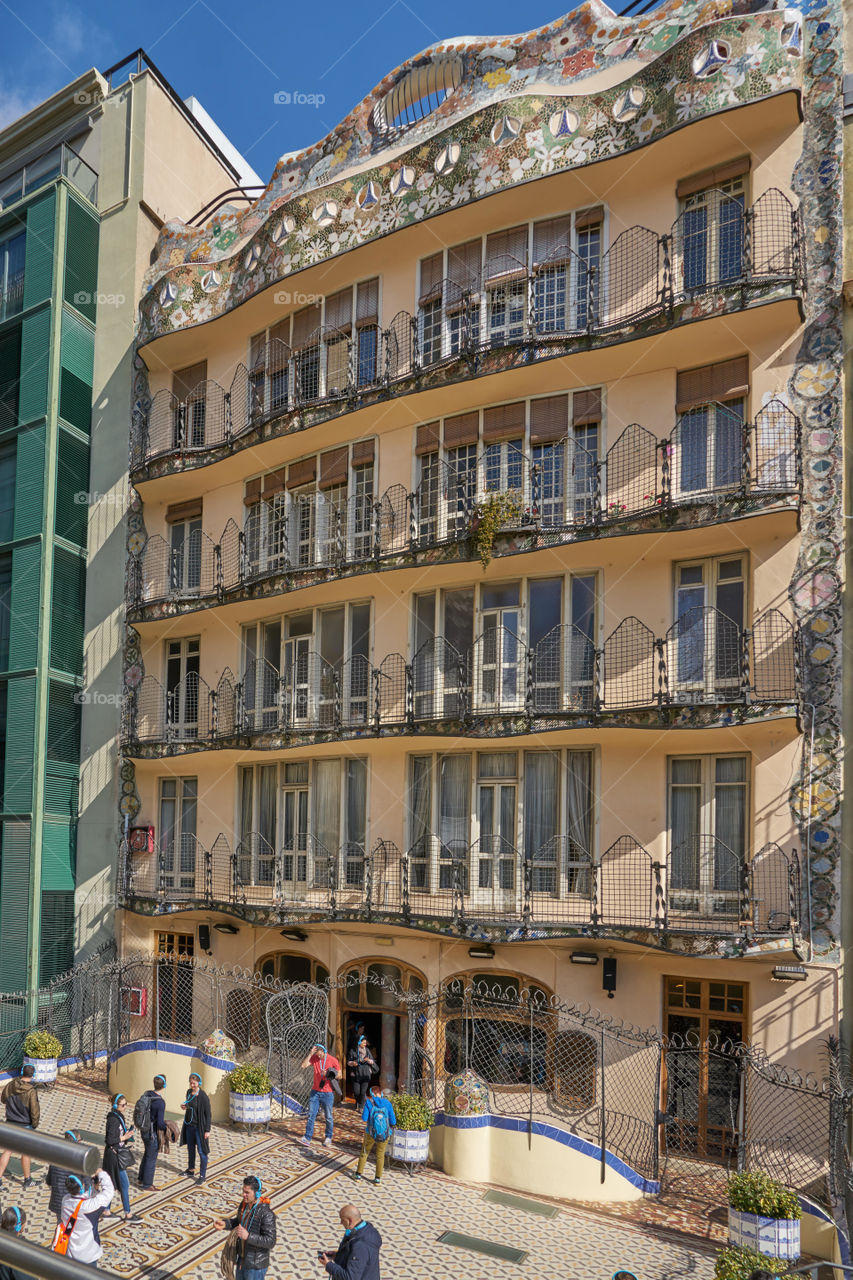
{"x":462,"y":429}
{"x":549,"y":419}
{"x":463,"y":264}
{"x":274,"y":482}
{"x":253,"y":492}
{"x":363,"y":452}
{"x":586,"y":406}
{"x":367,"y":302}
{"x":179,"y":511}
{"x":712,"y":177}
{"x":300,"y":473}
{"x":305,"y":324}
{"x":590,"y":217}
{"x":339,"y":311}
{"x":506,"y":255}
{"x":427,"y":439}
{"x":279,"y":346}
{"x":552,"y":241}
{"x":503,"y":422}
{"x":257,"y":351}
{"x":431,"y":275}
{"x":727,"y":380}
{"x":185,"y":381}
{"x":333,"y":468}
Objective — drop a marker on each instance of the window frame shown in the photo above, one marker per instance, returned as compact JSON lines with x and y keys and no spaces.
{"x":704,"y":898}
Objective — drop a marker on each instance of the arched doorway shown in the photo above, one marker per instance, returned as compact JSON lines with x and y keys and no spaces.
{"x":367,"y":998}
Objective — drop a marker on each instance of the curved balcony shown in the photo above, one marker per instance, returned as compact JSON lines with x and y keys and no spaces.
{"x":703,"y":887}
{"x":705,"y":660}
{"x":712,"y":463}
{"x":645,"y":282}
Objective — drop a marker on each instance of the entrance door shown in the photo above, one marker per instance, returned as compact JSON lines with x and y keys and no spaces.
{"x":702,"y":1072}
{"x":174,"y":986}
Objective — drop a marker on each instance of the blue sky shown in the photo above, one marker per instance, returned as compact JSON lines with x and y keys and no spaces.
{"x":234,"y":58}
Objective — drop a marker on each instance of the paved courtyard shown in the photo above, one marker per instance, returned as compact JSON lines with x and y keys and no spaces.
{"x":306,"y":1188}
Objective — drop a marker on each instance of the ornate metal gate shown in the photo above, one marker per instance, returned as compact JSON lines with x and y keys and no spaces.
{"x":296,"y":1019}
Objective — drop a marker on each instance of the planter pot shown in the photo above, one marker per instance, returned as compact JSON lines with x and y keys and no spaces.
{"x":249,"y":1108}
{"x":46,"y":1069}
{"x":774,"y":1237}
{"x":411,"y":1145}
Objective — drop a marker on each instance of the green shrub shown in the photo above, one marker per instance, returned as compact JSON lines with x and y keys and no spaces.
{"x":41,"y":1044}
{"x":739,"y":1264}
{"x":412,"y":1112}
{"x":249,"y":1079}
{"x":760,"y":1194}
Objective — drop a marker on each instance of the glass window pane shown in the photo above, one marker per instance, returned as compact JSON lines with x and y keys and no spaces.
{"x":546,"y":608}
{"x":497,"y":764}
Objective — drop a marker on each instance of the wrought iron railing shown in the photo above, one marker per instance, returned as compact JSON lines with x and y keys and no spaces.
{"x":737,"y":252}
{"x":556,"y":884}
{"x":704,"y":658}
{"x":711,"y":456}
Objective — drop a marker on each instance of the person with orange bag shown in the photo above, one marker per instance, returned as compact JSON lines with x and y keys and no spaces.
{"x":75,"y":1236}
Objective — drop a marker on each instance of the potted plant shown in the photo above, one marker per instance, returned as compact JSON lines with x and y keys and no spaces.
{"x":42,"y":1050}
{"x":763,"y":1215}
{"x":739,"y":1264}
{"x":410,"y":1138}
{"x":249,"y":1101}
{"x":495,"y":512}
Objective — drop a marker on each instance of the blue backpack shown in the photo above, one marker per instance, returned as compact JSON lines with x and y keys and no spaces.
{"x":377,"y":1123}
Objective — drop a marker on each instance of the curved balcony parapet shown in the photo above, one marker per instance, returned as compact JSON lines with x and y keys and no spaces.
{"x":558,"y":492}
{"x":565,"y":303}
{"x":702,"y":886}
{"x":704,"y":659}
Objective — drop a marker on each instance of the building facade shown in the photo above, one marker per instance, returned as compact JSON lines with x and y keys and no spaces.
{"x":482,"y":590}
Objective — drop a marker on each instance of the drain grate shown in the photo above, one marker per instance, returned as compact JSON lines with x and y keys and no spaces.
{"x":488,"y":1247}
{"x":521,"y":1202}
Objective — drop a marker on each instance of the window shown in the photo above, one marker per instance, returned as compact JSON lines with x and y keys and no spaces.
{"x":256,"y":850}
{"x":10,"y":369}
{"x":294,"y":829}
{"x":178,"y":809}
{"x":708,"y":442}
{"x":185,"y":555}
{"x":261,"y":667}
{"x":708,"y":798}
{"x":500,"y":1041}
{"x":558,"y":846}
{"x":181,"y":944}
{"x":8,"y":456}
{"x":566,"y":264}
{"x":707,"y":638}
{"x":286,"y":967}
{"x":182,"y":686}
{"x":12,"y":254}
{"x":5,"y":608}
{"x":189,"y":387}
{"x":710,"y":246}
{"x":359,"y":992}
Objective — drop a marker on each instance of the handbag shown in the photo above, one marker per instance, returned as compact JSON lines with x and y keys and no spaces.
{"x":62,"y":1234}
{"x":125,"y":1157}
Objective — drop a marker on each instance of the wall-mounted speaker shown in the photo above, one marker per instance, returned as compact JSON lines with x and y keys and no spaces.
{"x":204,"y":936}
{"x":608,"y":976}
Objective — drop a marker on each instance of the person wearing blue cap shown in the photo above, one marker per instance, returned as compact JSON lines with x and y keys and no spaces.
{"x":195,"y":1131}
{"x":326,"y":1068}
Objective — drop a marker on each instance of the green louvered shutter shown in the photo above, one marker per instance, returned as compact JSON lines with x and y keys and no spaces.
{"x":35,"y":362}
{"x":72,"y":484}
{"x":57,"y":855}
{"x":63,"y":723}
{"x":81,"y":260}
{"x":66,"y":623}
{"x":77,"y":358}
{"x":23,"y":638}
{"x":29,"y":483}
{"x":21,"y":712}
{"x":10,"y":368}
{"x":56,"y":954}
{"x":14,"y":904}
{"x":38,"y":264}
{"x":61,"y":790}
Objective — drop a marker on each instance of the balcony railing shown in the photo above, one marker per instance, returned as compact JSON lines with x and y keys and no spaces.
{"x":711,"y":456}
{"x":60,"y":161}
{"x":702,"y":887}
{"x":704,"y":658}
{"x":737,"y":253}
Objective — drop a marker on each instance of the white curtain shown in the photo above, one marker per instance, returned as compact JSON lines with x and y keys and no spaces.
{"x":579,"y":821}
{"x":684,"y":815}
{"x":541,"y":806}
{"x":729,"y":820}
{"x":356,"y":802}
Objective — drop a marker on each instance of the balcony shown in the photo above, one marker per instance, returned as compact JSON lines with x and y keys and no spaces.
{"x":644,"y":283}
{"x":712,"y":465}
{"x":703,"y":887}
{"x":698,"y":671}
{"x":60,"y":162}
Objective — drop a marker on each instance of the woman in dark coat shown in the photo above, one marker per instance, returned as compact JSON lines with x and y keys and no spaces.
{"x":118,"y":1134}
{"x":195,"y":1131}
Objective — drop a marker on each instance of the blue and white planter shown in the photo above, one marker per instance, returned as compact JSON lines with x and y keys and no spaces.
{"x":409,"y":1145}
{"x":249,"y":1108}
{"x":46,"y":1069}
{"x":774,"y":1237}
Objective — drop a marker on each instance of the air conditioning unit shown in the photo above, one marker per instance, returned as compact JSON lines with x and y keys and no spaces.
{"x":134,"y":1000}
{"x":141,"y":839}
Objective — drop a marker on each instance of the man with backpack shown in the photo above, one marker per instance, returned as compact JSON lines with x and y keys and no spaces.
{"x":380,"y":1119}
{"x":149,"y":1119}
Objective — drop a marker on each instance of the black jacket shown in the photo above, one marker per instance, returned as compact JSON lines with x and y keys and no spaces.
{"x":358,"y":1255}
{"x":114,"y":1133}
{"x":259,"y":1221}
{"x":201,"y":1108}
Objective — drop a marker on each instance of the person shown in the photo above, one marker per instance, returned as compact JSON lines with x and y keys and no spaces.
{"x":321,"y":1093}
{"x":357,"y":1256}
{"x":84,"y":1244}
{"x":363,"y":1069}
{"x":355,"y":1036}
{"x":118,"y":1134}
{"x":55,"y":1179}
{"x":195,"y":1131}
{"x":256,"y":1228}
{"x":150,"y":1132}
{"x":14,"y":1219}
{"x":380,"y":1118}
{"x":22,"y":1107}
